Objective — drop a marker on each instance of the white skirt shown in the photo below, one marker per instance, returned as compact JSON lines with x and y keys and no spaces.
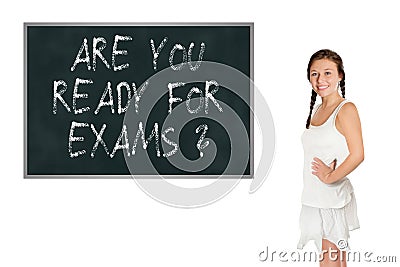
{"x":331,"y":224}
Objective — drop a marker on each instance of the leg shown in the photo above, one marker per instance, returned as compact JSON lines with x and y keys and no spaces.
{"x":343,"y":262}
{"x":331,"y":256}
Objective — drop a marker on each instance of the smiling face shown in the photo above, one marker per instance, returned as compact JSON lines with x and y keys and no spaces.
{"x":324,"y":77}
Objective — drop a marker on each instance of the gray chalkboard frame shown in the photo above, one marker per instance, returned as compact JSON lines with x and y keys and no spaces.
{"x":26,"y":175}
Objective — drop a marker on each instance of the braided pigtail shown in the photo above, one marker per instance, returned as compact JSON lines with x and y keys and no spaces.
{"x":343,"y":87}
{"x":312,"y":103}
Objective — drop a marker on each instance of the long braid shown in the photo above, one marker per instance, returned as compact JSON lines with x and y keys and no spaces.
{"x":312,"y":103}
{"x":343,"y":86}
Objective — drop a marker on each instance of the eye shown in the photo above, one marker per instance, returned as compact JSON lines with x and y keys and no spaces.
{"x":314,"y":74}
{"x":328,"y":73}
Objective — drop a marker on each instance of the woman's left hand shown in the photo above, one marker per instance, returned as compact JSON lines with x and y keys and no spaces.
{"x":321,"y":170}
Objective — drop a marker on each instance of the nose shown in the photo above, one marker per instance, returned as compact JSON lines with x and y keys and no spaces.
{"x":320,"y":78}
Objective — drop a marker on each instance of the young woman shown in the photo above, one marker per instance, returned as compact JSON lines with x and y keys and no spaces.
{"x":333,"y":148}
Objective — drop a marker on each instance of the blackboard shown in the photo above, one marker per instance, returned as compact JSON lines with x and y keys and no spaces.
{"x":82,"y":80}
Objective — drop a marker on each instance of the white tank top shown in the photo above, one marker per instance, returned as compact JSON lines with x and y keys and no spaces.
{"x":326,"y":143}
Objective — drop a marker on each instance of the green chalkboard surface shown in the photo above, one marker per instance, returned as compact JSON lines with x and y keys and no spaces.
{"x":98,"y":98}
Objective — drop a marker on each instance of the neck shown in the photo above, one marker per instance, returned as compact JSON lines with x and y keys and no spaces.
{"x":331,"y":99}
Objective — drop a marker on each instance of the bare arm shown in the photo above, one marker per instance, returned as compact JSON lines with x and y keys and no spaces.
{"x":348,"y":123}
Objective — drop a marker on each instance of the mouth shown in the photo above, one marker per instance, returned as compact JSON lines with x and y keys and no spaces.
{"x":322,"y":87}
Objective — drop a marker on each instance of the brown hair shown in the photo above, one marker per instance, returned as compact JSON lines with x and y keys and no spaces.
{"x":334,"y":57}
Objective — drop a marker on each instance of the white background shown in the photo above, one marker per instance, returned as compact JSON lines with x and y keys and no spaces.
{"x":113,"y":223}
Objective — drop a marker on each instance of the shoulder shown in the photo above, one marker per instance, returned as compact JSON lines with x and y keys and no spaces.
{"x":348,"y":114}
{"x":348,"y":109}
{"x":316,"y":107}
